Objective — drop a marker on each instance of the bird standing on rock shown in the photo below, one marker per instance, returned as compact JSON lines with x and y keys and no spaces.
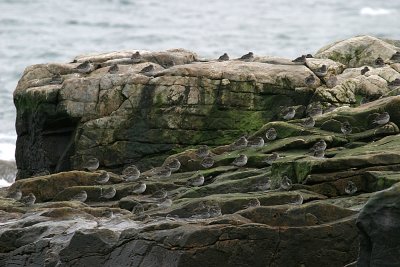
{"x":308,"y":122}
{"x":161,"y":172}
{"x":103,"y":177}
{"x":108,"y":193}
{"x":240,"y":161}
{"x":289,"y":113}
{"x":28,"y":200}
{"x":165,"y":203}
{"x":148,"y":70}
{"x":198,"y":180}
{"x":271,"y":158}
{"x":319,"y":153}
{"x":202,"y":152}
{"x":364,"y":70}
{"x":91,"y":165}
{"x":396,"y":57}
{"x":310,"y":80}
{"x":271,"y":134}
{"x":113,"y":69}
{"x":248,"y":56}
{"x":86,"y":67}
{"x":207,"y":162}
{"x":173,"y":164}
{"x":285,"y":183}
{"x":56,"y":79}
{"x":224,"y":57}
{"x":350,"y":188}
{"x":162,"y":193}
{"x":318,"y":146}
{"x":379,"y":62}
{"x":321,"y":71}
{"x":346,"y":128}
{"x":139,"y":188}
{"x":301,"y":59}
{"x":315,"y":111}
{"x":136,"y":57}
{"x":382,"y":119}
{"x":240,"y":143}
{"x":394,"y":83}
{"x":81,"y":196}
{"x":256,"y":142}
{"x":131,"y":173}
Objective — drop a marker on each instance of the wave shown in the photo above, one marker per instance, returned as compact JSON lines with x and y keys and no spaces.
{"x":7,"y":151}
{"x":4,"y":183}
{"x":369,"y":11}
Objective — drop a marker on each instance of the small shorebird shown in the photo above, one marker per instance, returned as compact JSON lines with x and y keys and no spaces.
{"x":161,"y":172}
{"x":86,"y":67}
{"x":256,"y":142}
{"x":81,"y":196}
{"x":319,"y":153}
{"x":289,"y":113}
{"x":28,"y":200}
{"x":103,"y":177}
{"x":202,"y":152}
{"x":207,"y":162}
{"x":240,"y":143}
{"x":394,"y":83}
{"x":331,"y":81}
{"x":264,"y":186}
{"x":318,"y":146}
{"x":309,"y":56}
{"x":173,"y":164}
{"x":136,"y":57}
{"x":379,"y":62}
{"x":350,"y":188}
{"x":396,"y":57}
{"x":252,"y":203}
{"x":271,"y":134}
{"x":364,"y":70}
{"x":108,"y":193}
{"x":285,"y":183}
{"x":224,"y":57}
{"x":315,"y":111}
{"x":162,"y":193}
{"x":382,"y":119}
{"x":113,"y":69}
{"x":165,"y":203}
{"x":148,"y":70}
{"x":56,"y":79}
{"x":310,"y":80}
{"x":198,"y":180}
{"x":17,"y":194}
{"x":301,"y":59}
{"x":91,"y":165}
{"x":240,"y":161}
{"x":271,"y":158}
{"x":308,"y":122}
{"x":139,"y":188}
{"x":248,"y":56}
{"x":346,"y":128}
{"x":321,"y":71}
{"x":131,"y":173}
{"x":298,"y":200}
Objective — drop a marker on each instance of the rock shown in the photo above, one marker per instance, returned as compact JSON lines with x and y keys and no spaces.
{"x":378,"y":225}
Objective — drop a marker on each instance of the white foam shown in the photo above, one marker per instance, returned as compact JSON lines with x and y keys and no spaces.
{"x":4,"y":183}
{"x":7,"y":151}
{"x":369,"y":11}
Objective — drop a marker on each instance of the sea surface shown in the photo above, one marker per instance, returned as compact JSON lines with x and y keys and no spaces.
{"x":41,"y":31}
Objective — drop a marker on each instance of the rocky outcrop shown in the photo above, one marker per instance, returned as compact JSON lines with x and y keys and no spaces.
{"x":299,"y":209}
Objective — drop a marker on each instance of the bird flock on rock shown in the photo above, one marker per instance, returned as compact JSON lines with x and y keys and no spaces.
{"x":203,"y":154}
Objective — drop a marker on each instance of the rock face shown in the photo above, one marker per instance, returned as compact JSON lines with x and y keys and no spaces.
{"x":287,"y":202}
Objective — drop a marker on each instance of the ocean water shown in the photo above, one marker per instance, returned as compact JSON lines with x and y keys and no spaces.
{"x":40,"y":31}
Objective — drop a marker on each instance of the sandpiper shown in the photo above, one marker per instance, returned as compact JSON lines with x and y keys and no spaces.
{"x":308,"y":122}
{"x":350,"y":188}
{"x":165,"y":203}
{"x":248,"y":56}
{"x":86,"y":67}
{"x":285,"y":183}
{"x":17,"y":194}
{"x":136,"y":57}
{"x":315,"y":111}
{"x":318,"y":146}
{"x":28,"y":200}
{"x":162,"y":193}
{"x":214,"y":211}
{"x":139,"y":188}
{"x":321,"y":71}
{"x":173,"y":164}
{"x":207,"y":162}
{"x":271,"y":158}
{"x":224,"y":57}
{"x":148,"y":70}
{"x":56,"y":79}
{"x":310,"y":80}
{"x":131,"y":173}
{"x":161,"y":172}
{"x":309,"y":56}
{"x":81,"y":196}
{"x":91,"y":165}
{"x":396,"y":57}
{"x":252,"y":203}
{"x":113,"y":69}
{"x":346,"y":128}
{"x":138,"y":209}
{"x":198,"y":180}
{"x":103,"y":177}
{"x":379,"y":62}
{"x":301,"y":59}
{"x":264,"y":186}
{"x":240,"y":161}
{"x":289,"y":113}
{"x":394,"y":83}
{"x":240,"y":143}
{"x":319,"y":153}
{"x":108,"y":193}
{"x":364,"y":70}
{"x":202,"y":152}
{"x":271,"y":134}
{"x":331,"y":81}
{"x":256,"y":142}
{"x":382,"y":119}
{"x":298,"y":200}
